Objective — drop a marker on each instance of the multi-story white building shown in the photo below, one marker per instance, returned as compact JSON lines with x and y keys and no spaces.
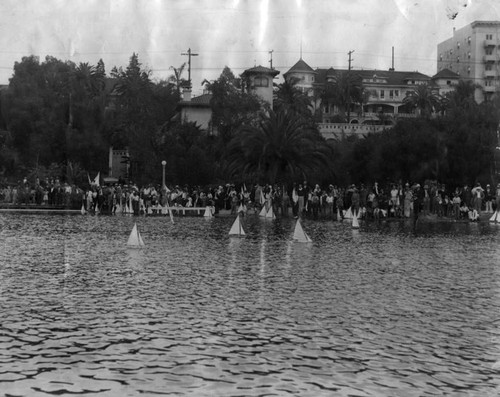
{"x":383,"y":104}
{"x":473,"y":52}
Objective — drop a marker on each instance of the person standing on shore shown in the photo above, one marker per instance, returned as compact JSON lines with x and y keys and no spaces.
{"x":418,"y":200}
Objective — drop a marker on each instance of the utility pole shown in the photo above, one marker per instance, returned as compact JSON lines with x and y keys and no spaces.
{"x":271,"y":60}
{"x":189,"y":54}
{"x":348,"y":88}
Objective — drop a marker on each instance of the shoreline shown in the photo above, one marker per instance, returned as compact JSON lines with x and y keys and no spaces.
{"x":198,"y":212}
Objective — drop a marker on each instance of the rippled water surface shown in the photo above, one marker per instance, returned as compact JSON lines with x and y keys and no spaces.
{"x":379,"y":311}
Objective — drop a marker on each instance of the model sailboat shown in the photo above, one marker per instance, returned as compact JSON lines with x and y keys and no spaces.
{"x":495,"y":217}
{"x":355,"y":223}
{"x":270,"y":213}
{"x":135,"y":239}
{"x":299,"y":234}
{"x":237,"y":228}
{"x":208,"y":212}
{"x":263,"y":211}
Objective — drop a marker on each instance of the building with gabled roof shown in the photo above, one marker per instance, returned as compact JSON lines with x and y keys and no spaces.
{"x":445,"y":81}
{"x":303,"y":75}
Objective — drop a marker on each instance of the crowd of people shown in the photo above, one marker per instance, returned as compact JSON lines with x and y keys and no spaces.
{"x":393,"y":200}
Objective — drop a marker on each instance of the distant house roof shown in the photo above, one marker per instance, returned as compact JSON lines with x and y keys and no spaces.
{"x":197,"y":101}
{"x":300,"y":66}
{"x":391,"y":77}
{"x":260,"y":70}
{"x":446,"y":74}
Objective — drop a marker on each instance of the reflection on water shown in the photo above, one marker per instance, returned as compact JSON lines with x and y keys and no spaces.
{"x":380,"y":311}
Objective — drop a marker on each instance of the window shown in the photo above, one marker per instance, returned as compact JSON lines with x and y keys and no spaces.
{"x":468,"y":55}
{"x":396,"y":93}
{"x":489,"y":51}
{"x":458,"y":59}
{"x":489,"y":37}
{"x":382,"y":93}
{"x":488,"y":66}
{"x":448,"y":82}
{"x":458,"y":44}
{"x":391,"y":94}
{"x":261,"y":81}
{"x":312,"y":78}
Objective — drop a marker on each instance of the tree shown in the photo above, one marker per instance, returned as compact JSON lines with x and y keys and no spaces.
{"x":343,"y":91}
{"x":423,"y":99}
{"x":176,"y":79}
{"x":289,"y":97}
{"x":282,"y":147}
{"x":231,"y":108}
{"x":142,"y":107}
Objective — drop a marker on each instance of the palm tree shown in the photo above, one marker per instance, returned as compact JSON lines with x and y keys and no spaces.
{"x":176,"y":79}
{"x":462,"y":98}
{"x":423,"y":99}
{"x":345,"y":89}
{"x":290,"y":98}
{"x":283,"y":147}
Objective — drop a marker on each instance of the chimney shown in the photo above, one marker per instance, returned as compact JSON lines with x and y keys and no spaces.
{"x":186,"y":95}
{"x":391,"y":69}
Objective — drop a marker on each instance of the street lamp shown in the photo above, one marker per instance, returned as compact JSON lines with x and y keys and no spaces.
{"x":163,"y":163}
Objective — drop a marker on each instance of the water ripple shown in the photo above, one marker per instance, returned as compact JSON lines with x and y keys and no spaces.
{"x":384,"y":310}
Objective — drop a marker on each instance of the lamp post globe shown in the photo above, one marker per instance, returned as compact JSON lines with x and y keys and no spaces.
{"x":163,"y":163}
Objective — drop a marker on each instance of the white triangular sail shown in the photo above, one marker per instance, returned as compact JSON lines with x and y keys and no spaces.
{"x":263,"y":211}
{"x":355,"y":223}
{"x":299,"y":234}
{"x":237,"y":228}
{"x":135,"y":239}
{"x":208,"y":212}
{"x":494,"y":217}
{"x":270,"y":213}
{"x":348,"y":213}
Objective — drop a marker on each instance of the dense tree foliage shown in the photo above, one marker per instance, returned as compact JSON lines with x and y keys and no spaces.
{"x":282,"y":148}
{"x":454,"y":149}
{"x":54,"y":111}
{"x":231,"y":107}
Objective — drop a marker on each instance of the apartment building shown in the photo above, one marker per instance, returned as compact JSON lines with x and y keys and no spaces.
{"x":473,"y":52}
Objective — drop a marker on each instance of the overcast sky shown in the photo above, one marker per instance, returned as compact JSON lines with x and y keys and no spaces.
{"x":236,"y":33}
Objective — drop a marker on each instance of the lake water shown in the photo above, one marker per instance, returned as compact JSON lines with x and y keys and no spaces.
{"x":380,"y":311}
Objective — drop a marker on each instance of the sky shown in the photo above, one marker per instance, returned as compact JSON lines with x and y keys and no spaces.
{"x":235,"y":33}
